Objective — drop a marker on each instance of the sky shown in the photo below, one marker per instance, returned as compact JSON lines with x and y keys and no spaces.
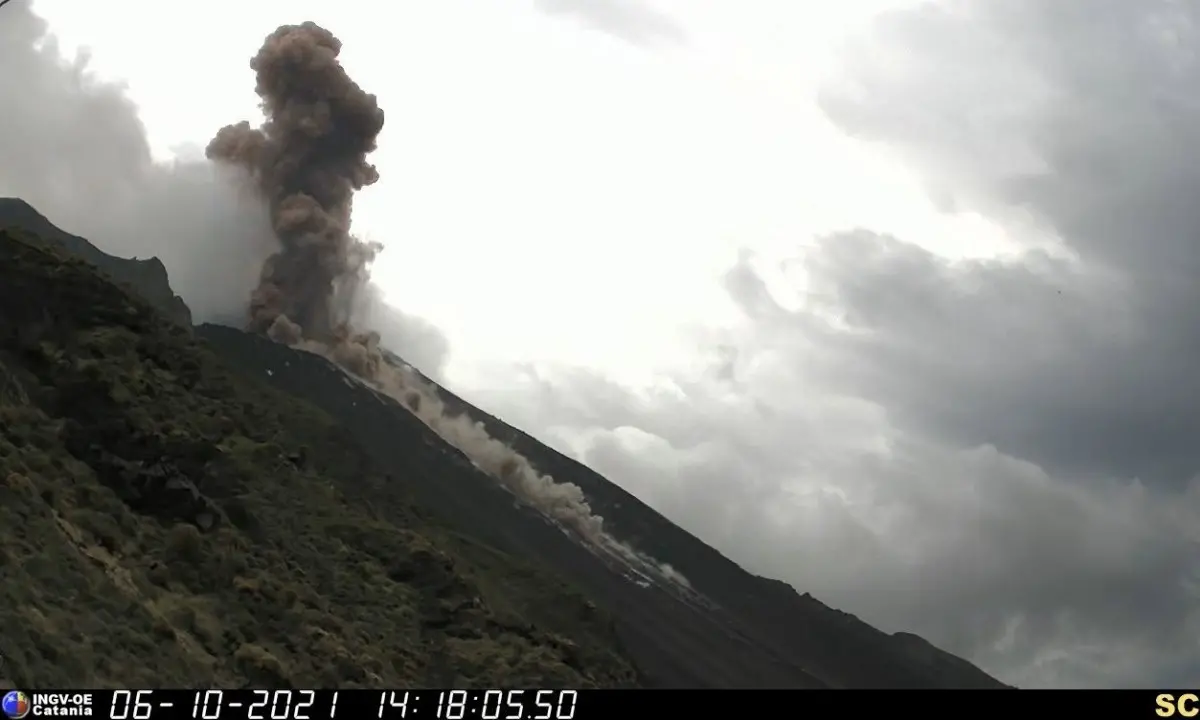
{"x":888,"y":300}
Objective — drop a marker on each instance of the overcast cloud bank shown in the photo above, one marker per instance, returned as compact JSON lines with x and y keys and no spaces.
{"x":1000,"y":455}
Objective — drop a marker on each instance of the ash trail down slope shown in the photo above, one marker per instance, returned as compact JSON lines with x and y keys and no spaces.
{"x":169,"y":523}
{"x":763,"y":634}
{"x":833,"y":645}
{"x":670,"y":642}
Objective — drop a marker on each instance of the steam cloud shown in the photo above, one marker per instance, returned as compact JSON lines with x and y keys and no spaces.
{"x":307,"y":160}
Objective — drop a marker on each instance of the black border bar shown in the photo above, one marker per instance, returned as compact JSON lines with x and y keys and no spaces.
{"x":534,"y":704}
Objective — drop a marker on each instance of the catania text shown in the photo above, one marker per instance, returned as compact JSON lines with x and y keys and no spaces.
{"x":61,"y":705}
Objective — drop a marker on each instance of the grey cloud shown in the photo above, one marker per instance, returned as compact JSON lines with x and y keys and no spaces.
{"x":1075,"y":119}
{"x":74,"y":147}
{"x":629,"y":20}
{"x":1098,"y":375}
{"x":1002,"y":454}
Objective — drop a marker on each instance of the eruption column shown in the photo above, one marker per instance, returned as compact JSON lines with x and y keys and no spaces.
{"x":308,"y":159}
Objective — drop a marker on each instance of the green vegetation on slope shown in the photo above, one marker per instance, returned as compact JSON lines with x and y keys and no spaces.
{"x":167,"y":522}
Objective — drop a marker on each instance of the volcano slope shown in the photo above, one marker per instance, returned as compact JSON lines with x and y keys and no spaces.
{"x":742,"y":631}
{"x":331,"y":488}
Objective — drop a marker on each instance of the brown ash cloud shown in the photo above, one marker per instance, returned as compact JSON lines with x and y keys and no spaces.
{"x":307,"y":159}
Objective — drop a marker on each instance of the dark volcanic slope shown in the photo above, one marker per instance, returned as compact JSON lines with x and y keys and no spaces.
{"x":166,"y":522}
{"x":759,"y":633}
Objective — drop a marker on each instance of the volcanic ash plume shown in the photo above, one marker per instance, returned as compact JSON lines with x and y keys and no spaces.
{"x":307,"y":159}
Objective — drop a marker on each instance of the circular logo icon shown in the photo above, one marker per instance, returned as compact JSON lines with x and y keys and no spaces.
{"x":15,"y":704}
